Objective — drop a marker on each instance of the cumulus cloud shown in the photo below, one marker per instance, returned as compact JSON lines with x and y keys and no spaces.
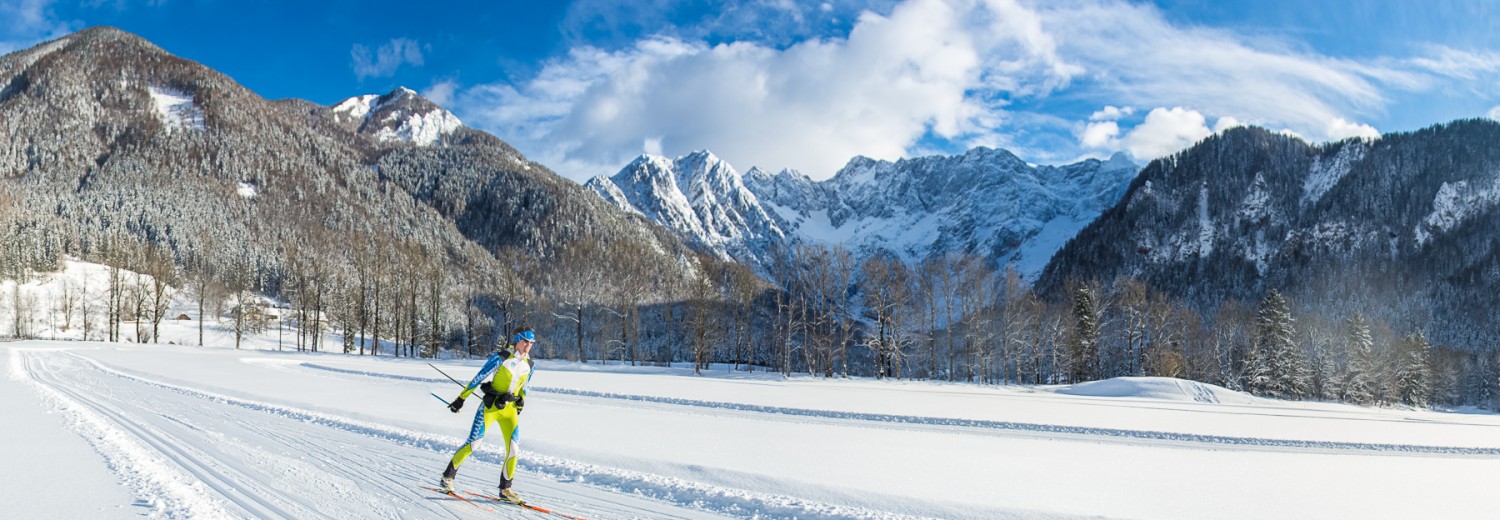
{"x":1226,"y":123}
{"x":384,"y":61}
{"x":1165,"y":131}
{"x":929,"y":75}
{"x":1494,"y":113}
{"x":923,"y":69}
{"x":1101,"y":134}
{"x":1341,"y":129}
{"x":1111,"y":113}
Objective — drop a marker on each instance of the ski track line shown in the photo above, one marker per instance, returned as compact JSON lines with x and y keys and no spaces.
{"x":181,"y":453}
{"x":671,"y":490}
{"x":1033,"y":428}
{"x":154,"y":480}
{"x":254,"y":480}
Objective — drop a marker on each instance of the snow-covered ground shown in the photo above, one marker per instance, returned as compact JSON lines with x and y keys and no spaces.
{"x":114,"y":431}
{"x":120,"y":430}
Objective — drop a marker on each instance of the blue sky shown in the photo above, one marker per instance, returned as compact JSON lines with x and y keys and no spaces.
{"x":585,"y":86}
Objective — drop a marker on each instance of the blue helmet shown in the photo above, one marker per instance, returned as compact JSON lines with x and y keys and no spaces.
{"x":524,"y":335}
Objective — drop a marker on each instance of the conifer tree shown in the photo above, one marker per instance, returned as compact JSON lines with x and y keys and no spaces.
{"x":1360,"y":378}
{"x":1279,"y":370}
{"x":1413,"y":375}
{"x":1084,"y":345}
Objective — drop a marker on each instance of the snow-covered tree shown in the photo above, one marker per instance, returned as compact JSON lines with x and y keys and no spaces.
{"x":1083,"y":348}
{"x":1413,"y":373}
{"x":1360,"y":377}
{"x":1279,"y":368}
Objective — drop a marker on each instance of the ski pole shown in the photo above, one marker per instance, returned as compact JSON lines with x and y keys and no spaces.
{"x":445,"y":401}
{"x":445,"y":374}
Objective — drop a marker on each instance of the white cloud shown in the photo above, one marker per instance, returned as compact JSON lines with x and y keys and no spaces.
{"x":1459,"y":64}
{"x":442,"y":92}
{"x":1341,"y":129}
{"x":1135,"y":57}
{"x":1164,"y":132}
{"x":934,"y":75}
{"x":1494,"y":113}
{"x":1226,"y":123}
{"x":384,"y":61}
{"x":25,"y":23}
{"x":1111,"y":113}
{"x":922,"y":69}
{"x":1101,"y":134}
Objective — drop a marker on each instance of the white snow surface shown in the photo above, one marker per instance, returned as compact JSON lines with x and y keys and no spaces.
{"x":1455,"y":203}
{"x":422,"y":129}
{"x":1324,"y":175}
{"x":175,"y":109}
{"x":1032,"y":257}
{"x":126,"y":430}
{"x":358,"y":106}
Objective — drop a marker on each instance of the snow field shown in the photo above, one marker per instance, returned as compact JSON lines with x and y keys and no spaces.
{"x":212,"y":432}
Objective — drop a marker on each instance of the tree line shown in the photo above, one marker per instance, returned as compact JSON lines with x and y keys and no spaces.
{"x":819,"y":311}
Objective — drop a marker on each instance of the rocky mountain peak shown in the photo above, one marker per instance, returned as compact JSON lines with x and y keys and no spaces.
{"x":985,"y":201}
{"x":401,"y":115}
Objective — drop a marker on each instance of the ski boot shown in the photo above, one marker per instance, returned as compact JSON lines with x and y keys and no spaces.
{"x":446,"y":483}
{"x":511,"y":496}
{"x":506,"y":494}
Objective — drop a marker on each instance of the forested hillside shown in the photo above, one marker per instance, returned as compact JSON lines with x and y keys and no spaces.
{"x":1395,"y":235}
{"x":115,"y":151}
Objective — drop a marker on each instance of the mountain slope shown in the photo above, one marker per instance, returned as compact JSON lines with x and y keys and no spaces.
{"x":1403,"y":227}
{"x":105,"y":136}
{"x":986,"y":202}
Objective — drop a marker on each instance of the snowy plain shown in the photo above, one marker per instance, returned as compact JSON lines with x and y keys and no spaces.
{"x":125,"y":430}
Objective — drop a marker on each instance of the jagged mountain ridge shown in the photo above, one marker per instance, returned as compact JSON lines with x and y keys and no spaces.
{"x":986,"y":202}
{"x":401,"y":115}
{"x":1403,"y":228}
{"x":103,"y":134}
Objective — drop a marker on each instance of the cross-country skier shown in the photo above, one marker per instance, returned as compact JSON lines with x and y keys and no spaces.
{"x":504,"y":396}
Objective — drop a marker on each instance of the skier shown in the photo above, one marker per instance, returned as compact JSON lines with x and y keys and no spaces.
{"x":504,"y":396}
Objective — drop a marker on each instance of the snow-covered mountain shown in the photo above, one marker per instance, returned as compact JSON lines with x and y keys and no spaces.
{"x":700,"y":198}
{"x":105,"y":137}
{"x":401,"y":115}
{"x":987,"y":202}
{"x":1402,"y":228}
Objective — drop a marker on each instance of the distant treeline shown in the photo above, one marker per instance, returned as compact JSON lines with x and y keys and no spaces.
{"x":819,"y":311}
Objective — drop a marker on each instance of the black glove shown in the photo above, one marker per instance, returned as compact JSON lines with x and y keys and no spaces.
{"x":520,"y":403}
{"x":456,"y":405}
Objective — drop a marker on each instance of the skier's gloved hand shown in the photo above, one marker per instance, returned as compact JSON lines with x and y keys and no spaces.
{"x":520,"y":403}
{"x":456,"y":405}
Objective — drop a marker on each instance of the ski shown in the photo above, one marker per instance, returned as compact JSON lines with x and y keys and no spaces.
{"x":526,"y":505}
{"x":460,"y":497}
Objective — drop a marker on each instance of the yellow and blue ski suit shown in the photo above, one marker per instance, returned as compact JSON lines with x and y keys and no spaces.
{"x":502,"y":405}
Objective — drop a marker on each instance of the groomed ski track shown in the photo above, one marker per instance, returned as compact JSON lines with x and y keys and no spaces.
{"x":246,"y":459}
{"x":213,"y":433}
